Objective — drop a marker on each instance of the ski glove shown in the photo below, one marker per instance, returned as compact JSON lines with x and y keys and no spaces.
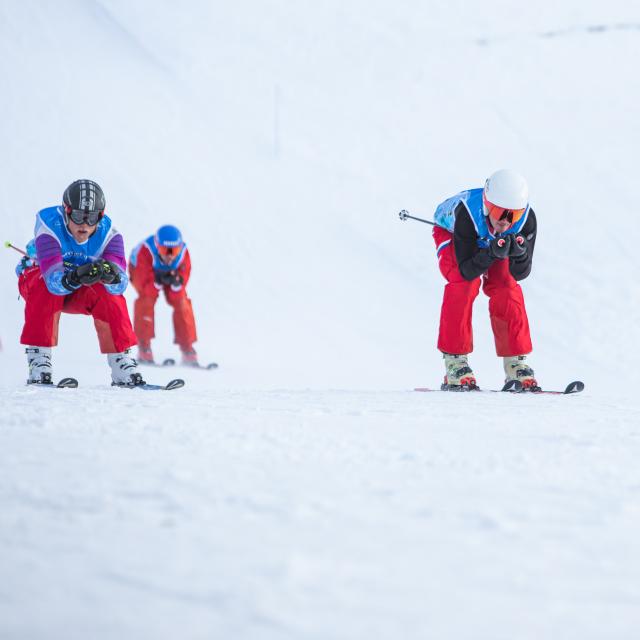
{"x":499,"y":247}
{"x":177,"y":280}
{"x":86,"y":274}
{"x":169,"y":278}
{"x":518,"y":247}
{"x":26,"y":262}
{"x":110,"y":272}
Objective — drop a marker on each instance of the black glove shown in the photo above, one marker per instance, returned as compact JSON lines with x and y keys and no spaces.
{"x":170,"y":278}
{"x":518,"y":247}
{"x":26,"y":262}
{"x":499,"y":247}
{"x":110,"y":272}
{"x":86,"y":274}
{"x":163,"y":277}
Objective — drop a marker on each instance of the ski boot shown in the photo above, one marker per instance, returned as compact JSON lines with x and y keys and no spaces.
{"x":190,"y":358}
{"x":124,"y":370}
{"x":516,"y":368}
{"x":459,"y":375}
{"x":40,"y":369}
{"x":145,"y":355}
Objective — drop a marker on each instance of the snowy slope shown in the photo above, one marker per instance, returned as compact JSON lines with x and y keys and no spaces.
{"x":301,"y":490}
{"x":299,"y":514}
{"x":284,"y":138}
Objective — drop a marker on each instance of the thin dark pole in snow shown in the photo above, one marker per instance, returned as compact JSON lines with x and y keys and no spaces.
{"x":276,"y":120}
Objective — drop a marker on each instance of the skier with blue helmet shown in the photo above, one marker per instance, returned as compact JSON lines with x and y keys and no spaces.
{"x":162,"y":262}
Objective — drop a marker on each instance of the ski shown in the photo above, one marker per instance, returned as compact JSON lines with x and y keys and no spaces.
{"x":513,"y":386}
{"x":146,"y":386}
{"x":573,"y":387}
{"x":170,"y":362}
{"x":65,"y":383}
{"x":172,"y":384}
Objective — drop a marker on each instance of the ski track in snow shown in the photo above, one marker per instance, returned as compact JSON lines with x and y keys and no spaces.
{"x":594,"y":29}
{"x":317,"y":514}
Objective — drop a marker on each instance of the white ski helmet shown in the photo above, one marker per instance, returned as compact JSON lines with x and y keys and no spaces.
{"x":505,"y":189}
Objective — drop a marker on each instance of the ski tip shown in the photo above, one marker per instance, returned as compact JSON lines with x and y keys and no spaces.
{"x":212,"y":365}
{"x":67,"y":383}
{"x":174,"y":384}
{"x":512,"y":386}
{"x":574,"y":387}
{"x":168,"y":362}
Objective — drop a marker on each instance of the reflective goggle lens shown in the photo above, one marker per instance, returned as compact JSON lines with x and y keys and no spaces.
{"x":167,"y":252}
{"x":500,"y":213}
{"x":85,"y":217}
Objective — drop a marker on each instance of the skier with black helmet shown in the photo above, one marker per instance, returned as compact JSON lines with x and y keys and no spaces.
{"x":79,"y":267}
{"x":486,"y":235}
{"x":162,"y":262}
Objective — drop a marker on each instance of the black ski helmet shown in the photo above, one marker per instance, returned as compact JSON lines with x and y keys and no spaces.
{"x":84,"y":195}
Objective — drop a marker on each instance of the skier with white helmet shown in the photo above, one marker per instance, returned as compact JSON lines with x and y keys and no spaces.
{"x":76,"y":264}
{"x":162,"y":262}
{"x":486,"y":236}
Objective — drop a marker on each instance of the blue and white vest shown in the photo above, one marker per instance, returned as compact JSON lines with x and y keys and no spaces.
{"x":445,"y":217}
{"x":50,"y":221}
{"x":158,"y":265}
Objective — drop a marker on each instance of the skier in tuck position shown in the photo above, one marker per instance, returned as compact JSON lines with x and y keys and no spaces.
{"x":162,"y":263}
{"x":486,"y":235}
{"x":76,"y":264}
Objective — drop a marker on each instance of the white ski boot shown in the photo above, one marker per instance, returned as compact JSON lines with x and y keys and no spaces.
{"x":124,"y":370}
{"x":516,"y":368}
{"x":459,"y":375}
{"x":40,"y":369}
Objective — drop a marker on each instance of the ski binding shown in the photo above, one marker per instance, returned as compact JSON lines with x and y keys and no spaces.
{"x":513,"y":386}
{"x":46,"y":381}
{"x":138,"y":383}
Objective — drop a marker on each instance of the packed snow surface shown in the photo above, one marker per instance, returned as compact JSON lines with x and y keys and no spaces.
{"x":303,"y":490}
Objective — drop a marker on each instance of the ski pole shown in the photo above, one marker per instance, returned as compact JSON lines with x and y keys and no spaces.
{"x":404,"y":214}
{"x":8,"y":245}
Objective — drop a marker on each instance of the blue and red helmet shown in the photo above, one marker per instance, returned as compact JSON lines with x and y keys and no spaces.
{"x":168,"y":240}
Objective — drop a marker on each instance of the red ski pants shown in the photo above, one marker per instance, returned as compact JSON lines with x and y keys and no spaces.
{"x":43,"y":308}
{"x":184,"y":324}
{"x":506,"y":305}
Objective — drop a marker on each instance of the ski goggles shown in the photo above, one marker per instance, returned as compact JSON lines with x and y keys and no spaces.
{"x":85,"y":217}
{"x":169,"y":252}
{"x":500,"y":213}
